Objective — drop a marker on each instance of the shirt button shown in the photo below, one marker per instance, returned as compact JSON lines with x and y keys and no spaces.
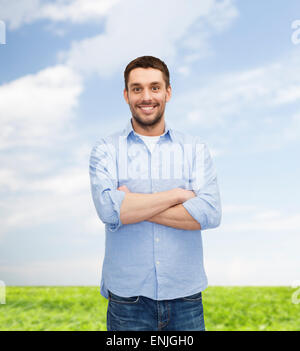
{"x":157,"y":262}
{"x":157,"y":239}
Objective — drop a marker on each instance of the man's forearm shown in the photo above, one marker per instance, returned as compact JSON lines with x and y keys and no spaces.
{"x":176,"y":217}
{"x":138,"y":207}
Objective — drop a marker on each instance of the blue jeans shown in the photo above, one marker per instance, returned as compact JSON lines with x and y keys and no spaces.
{"x":143,"y":313}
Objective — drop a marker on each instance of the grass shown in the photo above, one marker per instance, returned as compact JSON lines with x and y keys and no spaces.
{"x":83,"y":308}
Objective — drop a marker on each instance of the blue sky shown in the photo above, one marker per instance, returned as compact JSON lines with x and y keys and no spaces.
{"x":235,"y":75}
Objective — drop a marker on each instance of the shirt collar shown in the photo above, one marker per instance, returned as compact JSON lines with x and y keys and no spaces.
{"x":128,"y":129}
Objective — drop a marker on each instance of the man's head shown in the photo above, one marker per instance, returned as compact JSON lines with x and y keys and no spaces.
{"x":147,"y":89}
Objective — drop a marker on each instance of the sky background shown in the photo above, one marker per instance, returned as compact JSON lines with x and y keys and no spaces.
{"x":235,"y":76}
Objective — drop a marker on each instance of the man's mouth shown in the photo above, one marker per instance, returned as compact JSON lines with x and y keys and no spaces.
{"x":147,"y":108}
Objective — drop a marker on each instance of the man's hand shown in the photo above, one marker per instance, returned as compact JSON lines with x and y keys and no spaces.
{"x":138,"y":207}
{"x":124,"y":188}
{"x":182,"y":194}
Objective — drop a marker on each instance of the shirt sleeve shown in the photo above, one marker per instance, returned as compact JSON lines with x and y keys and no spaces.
{"x":103,"y":177}
{"x":205,"y":207}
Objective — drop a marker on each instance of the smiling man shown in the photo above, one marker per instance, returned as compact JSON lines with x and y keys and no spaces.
{"x":155,"y":189}
{"x":147,"y":95}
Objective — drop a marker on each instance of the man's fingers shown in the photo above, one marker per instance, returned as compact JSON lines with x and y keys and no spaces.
{"x":124,"y":188}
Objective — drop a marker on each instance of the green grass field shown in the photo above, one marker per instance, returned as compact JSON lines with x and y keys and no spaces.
{"x":83,"y":308}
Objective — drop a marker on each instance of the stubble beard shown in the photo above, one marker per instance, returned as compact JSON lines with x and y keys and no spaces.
{"x":142,"y":122}
{"x":149,"y":123}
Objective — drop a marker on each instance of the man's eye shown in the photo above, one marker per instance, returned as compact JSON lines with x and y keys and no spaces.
{"x":155,"y":88}
{"x":136,"y":89}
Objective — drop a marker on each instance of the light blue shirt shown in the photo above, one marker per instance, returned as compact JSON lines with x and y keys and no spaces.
{"x":145,"y":258}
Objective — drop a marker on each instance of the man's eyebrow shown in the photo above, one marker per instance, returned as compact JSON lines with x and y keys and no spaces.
{"x":134,"y":84}
{"x":138,"y":84}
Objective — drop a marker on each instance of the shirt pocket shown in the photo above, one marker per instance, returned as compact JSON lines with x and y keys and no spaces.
{"x":194,"y":297}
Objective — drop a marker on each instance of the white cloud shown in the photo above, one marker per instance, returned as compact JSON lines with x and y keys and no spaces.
{"x":237,"y":209}
{"x":79,"y":271}
{"x":264,"y":223}
{"x":17,"y":13}
{"x":36,"y":131}
{"x":292,"y":131}
{"x":76,"y":11}
{"x":93,"y":225}
{"x":132,"y":31}
{"x":222,"y":14}
{"x":36,"y":185}
{"x":39,"y":189}
{"x":9,"y":180}
{"x":184,"y":70}
{"x":69,"y":181}
{"x":258,"y":271}
{"x":18,"y":164}
{"x":36,"y":107}
{"x":236,"y":93}
{"x":54,"y":194}
{"x":27,"y":211}
{"x":255,"y":245}
{"x":286,"y":133}
{"x":250,"y":218}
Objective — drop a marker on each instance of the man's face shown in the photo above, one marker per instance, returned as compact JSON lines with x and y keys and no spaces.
{"x":147,"y":95}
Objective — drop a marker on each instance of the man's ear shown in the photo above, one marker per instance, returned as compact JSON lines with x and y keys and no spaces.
{"x":169,"y":93}
{"x":126,"y":95}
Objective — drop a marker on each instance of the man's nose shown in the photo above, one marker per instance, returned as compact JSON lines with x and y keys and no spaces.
{"x":146,"y":94}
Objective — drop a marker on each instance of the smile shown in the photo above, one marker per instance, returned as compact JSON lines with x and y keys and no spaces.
{"x":147,"y":108}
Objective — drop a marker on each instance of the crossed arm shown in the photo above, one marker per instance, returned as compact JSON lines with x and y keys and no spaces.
{"x":163,"y":208}
{"x":177,"y":217}
{"x":177,"y":208}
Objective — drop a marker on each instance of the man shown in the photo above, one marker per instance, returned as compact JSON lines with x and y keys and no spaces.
{"x":155,"y":189}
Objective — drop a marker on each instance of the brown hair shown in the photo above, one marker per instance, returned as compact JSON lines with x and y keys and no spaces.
{"x":147,"y":62}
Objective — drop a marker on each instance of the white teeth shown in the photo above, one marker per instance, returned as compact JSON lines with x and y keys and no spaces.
{"x":147,"y":108}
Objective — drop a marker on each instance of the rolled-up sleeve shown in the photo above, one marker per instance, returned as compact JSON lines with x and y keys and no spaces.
{"x":205,"y":207}
{"x":103,"y":177}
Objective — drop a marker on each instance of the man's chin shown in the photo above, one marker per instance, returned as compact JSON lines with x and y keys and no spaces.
{"x":147,"y":120}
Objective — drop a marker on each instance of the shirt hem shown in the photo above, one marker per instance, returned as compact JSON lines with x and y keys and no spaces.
{"x":104,"y":293}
